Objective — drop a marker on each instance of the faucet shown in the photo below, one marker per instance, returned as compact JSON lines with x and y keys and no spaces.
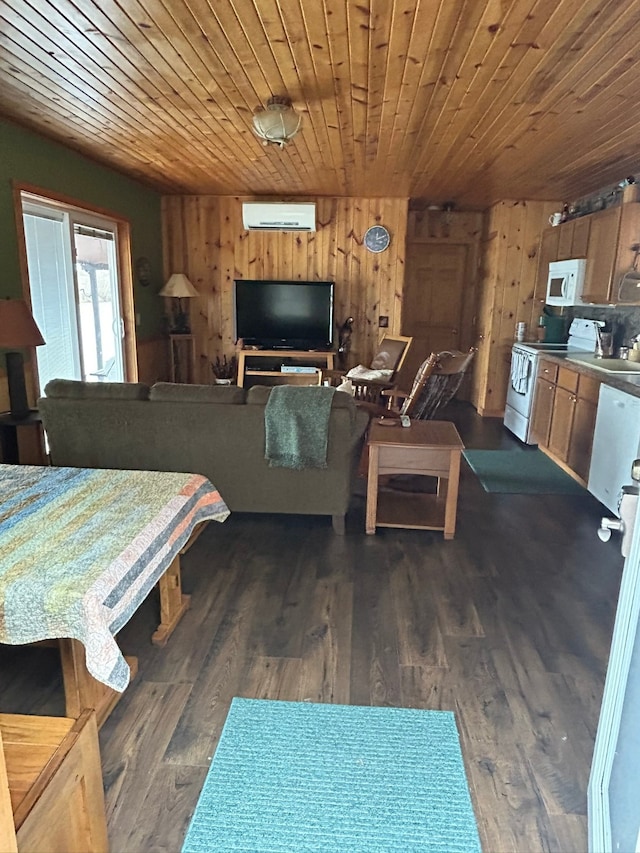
{"x":604,"y":344}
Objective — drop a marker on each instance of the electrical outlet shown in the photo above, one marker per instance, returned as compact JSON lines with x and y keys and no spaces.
{"x":383,"y":322}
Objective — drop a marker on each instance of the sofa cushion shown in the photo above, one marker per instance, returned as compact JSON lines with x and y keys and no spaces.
{"x":259,"y":394}
{"x":171,"y":392}
{"x":76,"y":390}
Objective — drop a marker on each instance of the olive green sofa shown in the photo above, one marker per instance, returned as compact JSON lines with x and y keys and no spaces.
{"x":214,"y":430}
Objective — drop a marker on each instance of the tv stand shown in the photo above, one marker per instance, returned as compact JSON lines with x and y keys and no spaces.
{"x":262,"y":367}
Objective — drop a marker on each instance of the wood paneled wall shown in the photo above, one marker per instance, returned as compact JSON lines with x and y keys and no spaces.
{"x":507,"y":293}
{"x":203,"y":237}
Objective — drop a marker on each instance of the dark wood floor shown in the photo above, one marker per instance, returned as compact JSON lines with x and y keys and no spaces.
{"x":508,"y":625}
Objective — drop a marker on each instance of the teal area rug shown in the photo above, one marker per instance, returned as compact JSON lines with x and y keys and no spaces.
{"x":293,"y":777}
{"x":521,"y":472}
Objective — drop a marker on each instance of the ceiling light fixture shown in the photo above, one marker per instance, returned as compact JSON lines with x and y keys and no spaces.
{"x":278,"y":122}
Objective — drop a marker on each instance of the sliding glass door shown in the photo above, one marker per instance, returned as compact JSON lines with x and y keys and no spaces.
{"x":73,"y":277}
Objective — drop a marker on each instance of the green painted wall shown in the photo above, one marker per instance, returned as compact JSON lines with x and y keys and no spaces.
{"x":29,"y":158}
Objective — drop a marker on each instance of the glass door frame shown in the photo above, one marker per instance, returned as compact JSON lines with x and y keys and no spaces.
{"x":123,"y":261}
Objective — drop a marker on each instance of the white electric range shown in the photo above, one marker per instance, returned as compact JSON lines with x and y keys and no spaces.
{"x":524,"y":371}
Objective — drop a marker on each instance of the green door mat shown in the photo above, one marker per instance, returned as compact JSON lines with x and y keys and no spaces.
{"x":298,"y":777}
{"x":521,"y":472}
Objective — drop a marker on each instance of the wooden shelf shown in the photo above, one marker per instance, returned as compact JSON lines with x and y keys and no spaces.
{"x":271,"y":376}
{"x":411,"y":510}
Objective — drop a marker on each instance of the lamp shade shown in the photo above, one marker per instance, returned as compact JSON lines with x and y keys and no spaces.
{"x":17,"y":326}
{"x":278,"y":122}
{"x":178,"y":285}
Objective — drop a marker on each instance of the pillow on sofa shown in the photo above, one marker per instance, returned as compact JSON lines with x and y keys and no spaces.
{"x":175,"y":392}
{"x":75,"y":390}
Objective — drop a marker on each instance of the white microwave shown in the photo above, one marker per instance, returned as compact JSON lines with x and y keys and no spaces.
{"x":565,"y":282}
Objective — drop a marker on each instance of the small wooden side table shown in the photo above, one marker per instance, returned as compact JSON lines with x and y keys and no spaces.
{"x":431,"y":448}
{"x":21,"y":439}
{"x":182,"y":356}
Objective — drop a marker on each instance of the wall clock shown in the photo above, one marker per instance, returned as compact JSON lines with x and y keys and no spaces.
{"x":377,"y":238}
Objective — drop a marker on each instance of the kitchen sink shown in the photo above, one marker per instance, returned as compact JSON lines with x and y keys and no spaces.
{"x":607,"y":365}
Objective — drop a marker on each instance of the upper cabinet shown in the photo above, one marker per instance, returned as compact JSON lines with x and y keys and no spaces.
{"x":601,"y":255}
{"x":573,"y":238}
{"x":605,"y":239}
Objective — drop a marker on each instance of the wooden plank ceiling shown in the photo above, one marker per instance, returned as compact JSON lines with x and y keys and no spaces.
{"x":462,"y":100}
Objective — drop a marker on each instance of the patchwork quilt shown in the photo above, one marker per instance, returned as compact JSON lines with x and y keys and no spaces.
{"x":81,"y":548}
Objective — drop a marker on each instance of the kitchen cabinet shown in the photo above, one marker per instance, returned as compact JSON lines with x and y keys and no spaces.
{"x":605,"y":239}
{"x":583,"y":426}
{"x":562,"y":417}
{"x":548,"y":253}
{"x":564,"y":414}
{"x":543,"y":401}
{"x":580,"y":237}
{"x":573,"y":239}
{"x":565,"y":238}
{"x":601,"y":255}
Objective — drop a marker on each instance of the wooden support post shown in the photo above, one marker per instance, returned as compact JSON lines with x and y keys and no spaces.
{"x":81,"y":689}
{"x":173,"y":604}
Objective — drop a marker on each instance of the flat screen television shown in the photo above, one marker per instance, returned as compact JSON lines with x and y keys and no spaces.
{"x":284,"y":314}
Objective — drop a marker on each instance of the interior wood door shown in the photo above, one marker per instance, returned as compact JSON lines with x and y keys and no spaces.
{"x":438,"y":303}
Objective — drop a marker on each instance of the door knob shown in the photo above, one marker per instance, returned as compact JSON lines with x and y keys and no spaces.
{"x":607,"y":525}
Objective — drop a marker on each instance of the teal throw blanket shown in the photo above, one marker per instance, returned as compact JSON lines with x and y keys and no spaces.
{"x":296,"y":422}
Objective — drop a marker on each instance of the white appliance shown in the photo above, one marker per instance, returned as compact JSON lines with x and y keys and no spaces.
{"x":616,"y":443}
{"x":614,"y":784}
{"x":565,"y":282}
{"x":524,"y":369}
{"x":279,"y":216}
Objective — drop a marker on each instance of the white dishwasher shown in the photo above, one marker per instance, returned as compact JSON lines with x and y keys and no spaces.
{"x":616,"y":443}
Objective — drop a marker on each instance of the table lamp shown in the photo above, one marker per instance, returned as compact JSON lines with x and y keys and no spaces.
{"x":17,"y":330}
{"x":179,"y":287}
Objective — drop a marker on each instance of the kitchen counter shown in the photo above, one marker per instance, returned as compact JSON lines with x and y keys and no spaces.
{"x":623,"y":381}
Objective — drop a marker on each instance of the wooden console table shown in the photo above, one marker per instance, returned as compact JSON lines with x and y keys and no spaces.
{"x":324,"y":360}
{"x":430,"y":448}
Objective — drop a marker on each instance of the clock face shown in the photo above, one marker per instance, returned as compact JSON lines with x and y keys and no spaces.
{"x":377,"y":238}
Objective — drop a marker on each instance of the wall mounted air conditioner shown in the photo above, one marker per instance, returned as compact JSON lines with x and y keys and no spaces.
{"x":279,"y":216}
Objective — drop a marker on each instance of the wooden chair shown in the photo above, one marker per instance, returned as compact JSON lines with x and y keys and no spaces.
{"x":437,"y":382}
{"x":442,"y":384}
{"x":396,"y":403}
{"x":390,"y":355}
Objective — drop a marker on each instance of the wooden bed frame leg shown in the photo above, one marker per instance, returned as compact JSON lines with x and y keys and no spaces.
{"x":82,"y":690}
{"x":173,"y":604}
